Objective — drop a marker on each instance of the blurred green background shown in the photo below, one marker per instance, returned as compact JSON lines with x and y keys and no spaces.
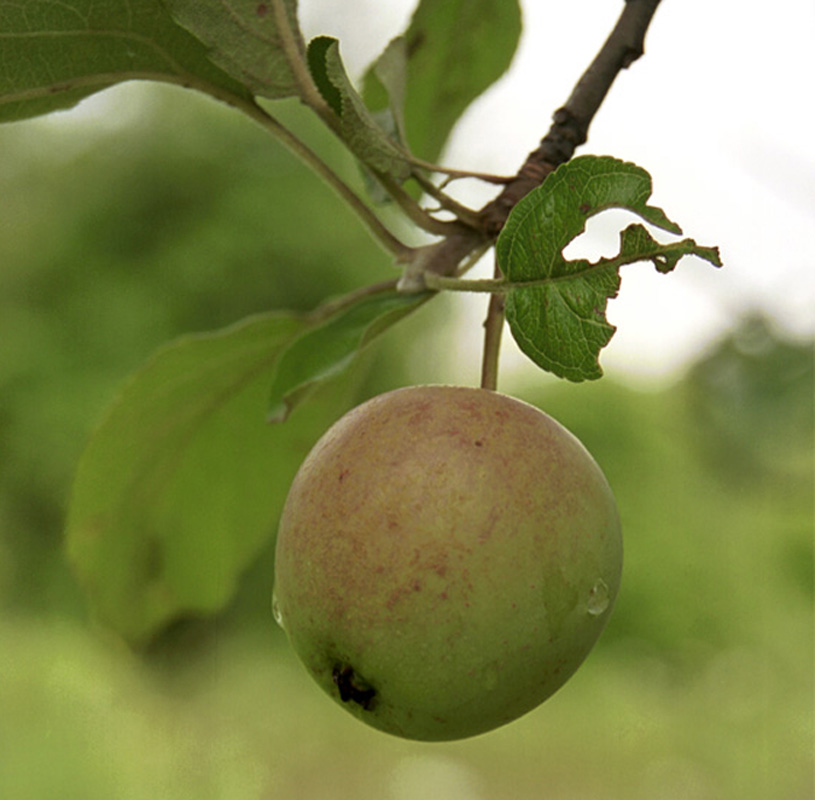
{"x":173,"y":215}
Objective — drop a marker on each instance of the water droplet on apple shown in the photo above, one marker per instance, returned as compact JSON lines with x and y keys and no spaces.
{"x":598,"y":598}
{"x":276,"y":612}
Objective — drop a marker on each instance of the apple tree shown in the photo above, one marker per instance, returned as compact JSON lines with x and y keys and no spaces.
{"x":181,"y":483}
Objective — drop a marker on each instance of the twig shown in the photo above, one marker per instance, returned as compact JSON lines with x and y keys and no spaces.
{"x":453,"y":174}
{"x":335,"y":305}
{"x":571,"y":122}
{"x":292,"y":46}
{"x":462,"y":213}
{"x":400,"y":251}
{"x":414,"y":212}
{"x":569,"y":130}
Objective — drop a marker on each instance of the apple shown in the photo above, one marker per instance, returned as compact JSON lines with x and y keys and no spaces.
{"x":446,"y":559}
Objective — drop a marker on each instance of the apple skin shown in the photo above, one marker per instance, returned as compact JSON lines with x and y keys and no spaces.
{"x":446,"y":559}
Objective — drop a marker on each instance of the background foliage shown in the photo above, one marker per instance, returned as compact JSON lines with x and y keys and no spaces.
{"x":112,"y":243}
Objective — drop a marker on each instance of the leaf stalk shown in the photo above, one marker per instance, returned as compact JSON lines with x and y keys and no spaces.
{"x":400,"y":251}
{"x":291,"y":43}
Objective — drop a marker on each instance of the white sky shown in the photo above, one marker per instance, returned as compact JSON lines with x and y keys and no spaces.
{"x":720,"y":111}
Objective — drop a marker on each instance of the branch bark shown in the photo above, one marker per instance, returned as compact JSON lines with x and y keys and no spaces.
{"x":570,"y":125}
{"x":569,"y":130}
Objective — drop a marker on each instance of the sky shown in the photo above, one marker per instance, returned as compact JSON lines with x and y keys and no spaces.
{"x":719,"y":110}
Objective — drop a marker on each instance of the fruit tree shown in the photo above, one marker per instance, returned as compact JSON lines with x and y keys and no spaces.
{"x":447,"y":556}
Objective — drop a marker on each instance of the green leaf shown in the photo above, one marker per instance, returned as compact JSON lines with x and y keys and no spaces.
{"x":182,"y":483}
{"x":54,"y":54}
{"x":325,"y":349}
{"x":556,"y":309}
{"x":243,"y":39}
{"x":390,"y":69}
{"x":360,"y":131}
{"x":455,"y":50}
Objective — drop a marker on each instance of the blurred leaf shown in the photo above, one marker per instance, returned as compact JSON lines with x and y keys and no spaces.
{"x":243,"y":39}
{"x":455,"y":50}
{"x":556,"y":308}
{"x":55,"y":54}
{"x":364,"y":136}
{"x":181,"y":484}
{"x":752,"y":396}
{"x":390,"y":69}
{"x":324,"y":350}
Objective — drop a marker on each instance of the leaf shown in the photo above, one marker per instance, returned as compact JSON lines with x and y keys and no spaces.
{"x":390,"y":69}
{"x":330,"y":344}
{"x":243,"y":39}
{"x":455,"y":50}
{"x":360,"y":131}
{"x":183,"y":481}
{"x":556,"y":309}
{"x":55,"y":54}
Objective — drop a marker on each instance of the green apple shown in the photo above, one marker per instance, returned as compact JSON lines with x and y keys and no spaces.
{"x":445,"y":561}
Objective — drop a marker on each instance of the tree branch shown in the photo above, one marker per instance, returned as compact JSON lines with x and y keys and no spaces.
{"x":294,"y":50}
{"x":570,"y":124}
{"x":569,"y":130}
{"x":570,"y":127}
{"x":401,"y":252}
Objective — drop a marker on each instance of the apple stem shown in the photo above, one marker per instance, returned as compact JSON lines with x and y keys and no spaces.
{"x":493,"y":327}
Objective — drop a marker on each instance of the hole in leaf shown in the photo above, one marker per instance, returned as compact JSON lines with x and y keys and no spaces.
{"x":601,"y":239}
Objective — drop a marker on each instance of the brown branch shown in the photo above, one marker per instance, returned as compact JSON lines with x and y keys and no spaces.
{"x":570,"y":127}
{"x":569,"y":130}
{"x":570,"y":124}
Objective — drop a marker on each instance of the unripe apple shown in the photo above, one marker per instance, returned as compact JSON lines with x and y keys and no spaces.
{"x":446,"y":559}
